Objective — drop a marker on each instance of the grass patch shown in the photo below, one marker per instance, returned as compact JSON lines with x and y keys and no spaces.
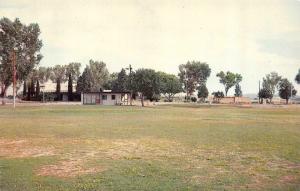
{"x":173,"y":147}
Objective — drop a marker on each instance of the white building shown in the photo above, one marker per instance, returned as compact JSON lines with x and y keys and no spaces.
{"x":105,"y":98}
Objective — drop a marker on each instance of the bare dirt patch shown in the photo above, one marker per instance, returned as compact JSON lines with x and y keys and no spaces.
{"x":75,"y":162}
{"x":23,"y":148}
{"x":69,"y":168}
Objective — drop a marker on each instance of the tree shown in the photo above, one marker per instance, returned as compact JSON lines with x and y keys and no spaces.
{"x":193,"y":74}
{"x":218,"y":95}
{"x":286,"y":89}
{"x":93,"y":78}
{"x":58,"y":76}
{"x":84,"y":82}
{"x":24,"y":41}
{"x":120,"y":84}
{"x":297,"y":78}
{"x":238,"y":91}
{"x":146,"y":82}
{"x":270,"y":83}
{"x":112,"y":80}
{"x":202,"y":92}
{"x":72,"y":73}
{"x":264,"y":93}
{"x":41,"y":75}
{"x":229,"y":79}
{"x":169,"y":85}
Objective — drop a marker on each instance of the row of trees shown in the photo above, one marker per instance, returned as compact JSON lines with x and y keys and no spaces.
{"x":23,"y":41}
{"x":147,"y":82}
{"x":273,"y":82}
{"x":57,"y":74}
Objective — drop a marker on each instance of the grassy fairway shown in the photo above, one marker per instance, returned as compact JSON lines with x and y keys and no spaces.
{"x":162,"y":148}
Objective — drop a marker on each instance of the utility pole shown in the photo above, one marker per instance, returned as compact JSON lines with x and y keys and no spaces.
{"x":131,"y":92}
{"x":14,"y":77}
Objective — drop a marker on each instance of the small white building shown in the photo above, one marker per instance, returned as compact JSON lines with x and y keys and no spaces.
{"x":105,"y":98}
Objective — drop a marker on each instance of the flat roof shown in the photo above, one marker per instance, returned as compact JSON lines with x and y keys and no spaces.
{"x":112,"y":92}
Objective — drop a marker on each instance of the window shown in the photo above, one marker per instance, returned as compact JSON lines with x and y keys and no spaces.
{"x":104,"y":97}
{"x":113,"y":97}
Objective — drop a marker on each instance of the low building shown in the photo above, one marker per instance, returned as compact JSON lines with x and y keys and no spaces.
{"x":105,"y":98}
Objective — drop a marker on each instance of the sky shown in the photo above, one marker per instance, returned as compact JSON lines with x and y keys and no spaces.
{"x":250,"y":37}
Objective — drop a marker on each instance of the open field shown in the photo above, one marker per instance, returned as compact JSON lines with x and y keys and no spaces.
{"x":179,"y":147}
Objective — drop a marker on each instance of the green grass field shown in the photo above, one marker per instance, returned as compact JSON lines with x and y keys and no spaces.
{"x":181,"y":147}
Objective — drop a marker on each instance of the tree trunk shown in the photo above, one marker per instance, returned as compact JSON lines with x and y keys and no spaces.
{"x":287,"y":100}
{"x":32,"y":92}
{"x":169,"y":98}
{"x":28,"y":93}
{"x":70,"y":88}
{"x":58,"y":90}
{"x":37,"y":90}
{"x":24,"y":89}
{"x":142,"y":100}
{"x":3,"y":94}
{"x":226,"y":90}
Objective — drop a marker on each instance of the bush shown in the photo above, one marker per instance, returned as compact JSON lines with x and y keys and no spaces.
{"x":193,"y":99}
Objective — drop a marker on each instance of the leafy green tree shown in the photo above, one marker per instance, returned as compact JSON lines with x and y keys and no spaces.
{"x":229,"y":79}
{"x":72,"y":73}
{"x":264,"y":93}
{"x":112,"y":79}
{"x":94,"y":77}
{"x":297,"y":78}
{"x":238,"y":91}
{"x":286,"y":89}
{"x":41,"y":75}
{"x":202,"y":92}
{"x":270,"y":83}
{"x":169,"y":85}
{"x":58,"y":76}
{"x":24,"y":41}
{"x":193,"y":74}
{"x":84,"y":82}
{"x":120,"y":84}
{"x":218,"y":95}
{"x":146,"y":82}
{"x":99,"y":73}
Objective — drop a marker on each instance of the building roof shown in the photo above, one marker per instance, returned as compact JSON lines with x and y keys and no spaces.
{"x":107,"y":92}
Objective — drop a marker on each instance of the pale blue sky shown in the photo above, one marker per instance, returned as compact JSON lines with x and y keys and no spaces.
{"x":251,"y":37}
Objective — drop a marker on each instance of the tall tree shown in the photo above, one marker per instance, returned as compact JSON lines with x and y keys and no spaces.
{"x":72,"y":73}
{"x":24,"y":41}
{"x":58,"y":76}
{"x":297,"y":78}
{"x":120,"y":84}
{"x":270,"y":83}
{"x":93,"y":78}
{"x":264,"y":93}
{"x":238,"y":91}
{"x":111,"y":82}
{"x":286,"y":89}
{"x":146,"y":82}
{"x":84,"y":82}
{"x":41,"y":75}
{"x":100,"y":74}
{"x":202,"y":92}
{"x":169,"y":85}
{"x":193,"y":74}
{"x":229,"y":79}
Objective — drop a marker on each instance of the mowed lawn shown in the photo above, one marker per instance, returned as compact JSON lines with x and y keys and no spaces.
{"x":175,"y":147}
